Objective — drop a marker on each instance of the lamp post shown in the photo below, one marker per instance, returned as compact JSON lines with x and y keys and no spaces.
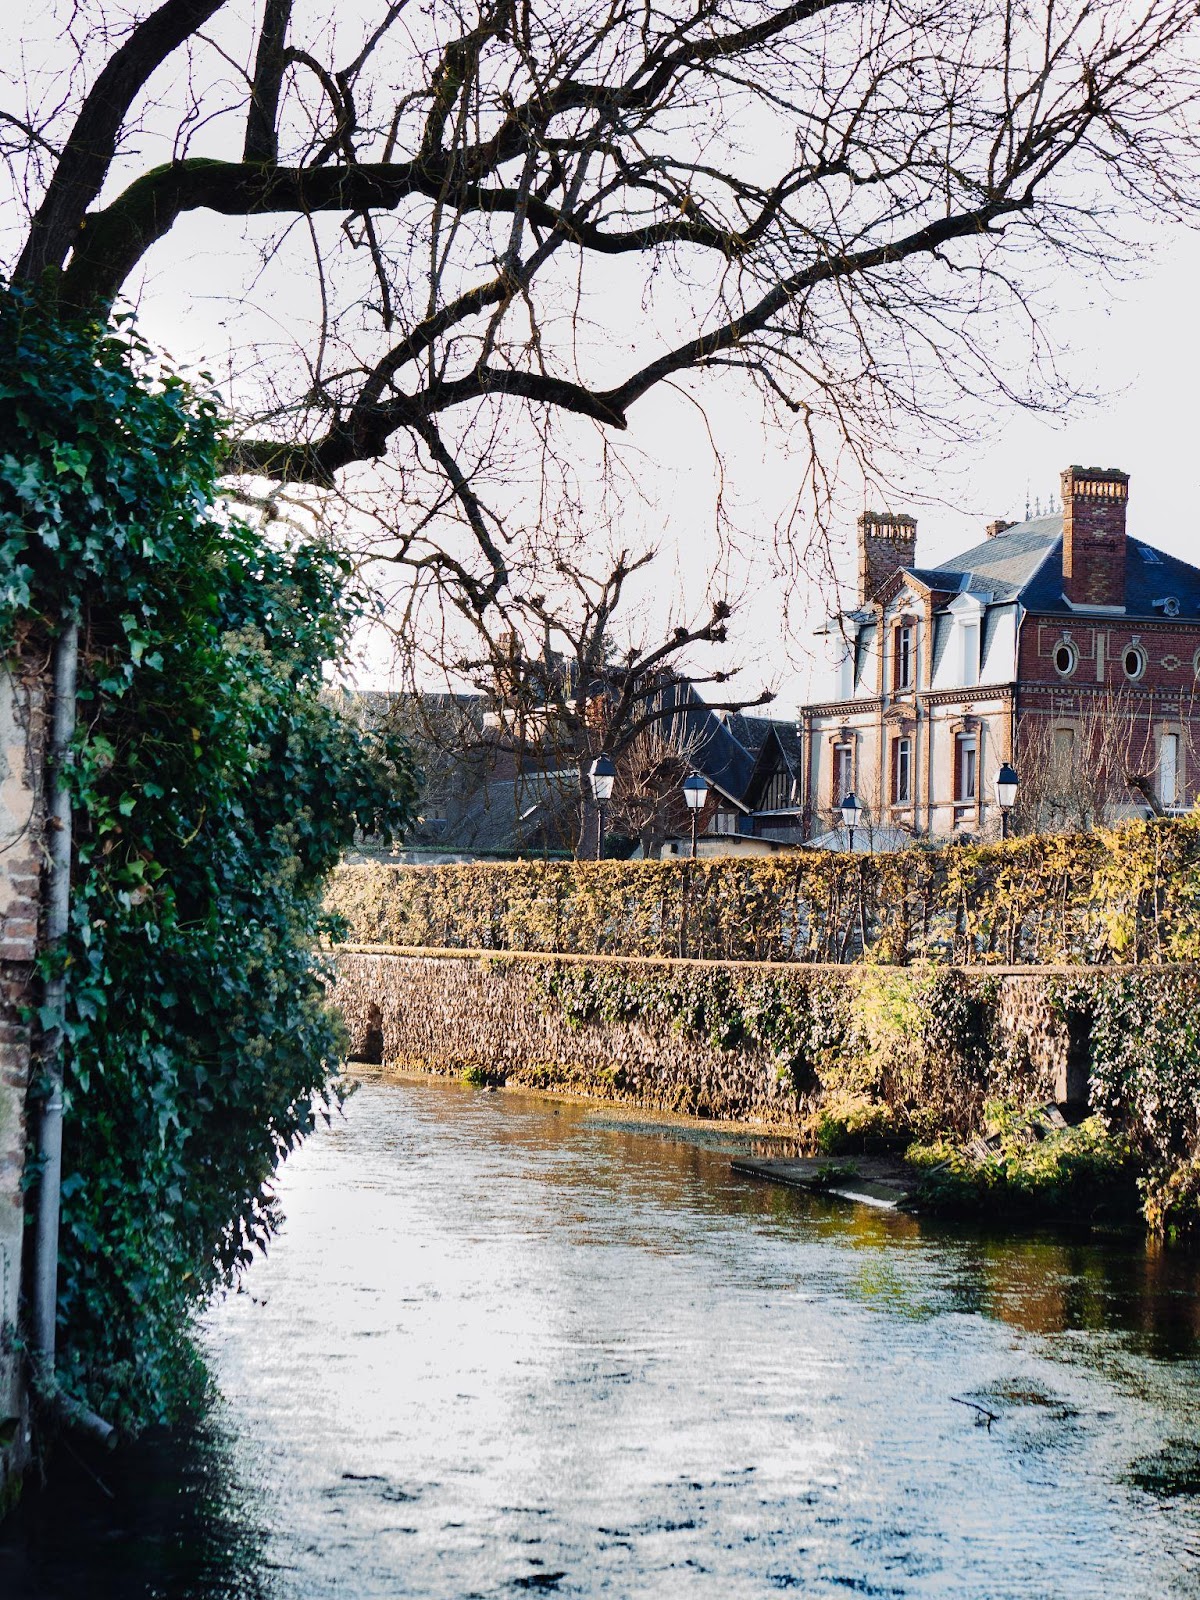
{"x":695,"y":792}
{"x":852,"y":814}
{"x":603,"y":775}
{"x":1006,"y":795}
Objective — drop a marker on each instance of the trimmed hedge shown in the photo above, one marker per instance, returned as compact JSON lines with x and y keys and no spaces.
{"x":1129,"y":894}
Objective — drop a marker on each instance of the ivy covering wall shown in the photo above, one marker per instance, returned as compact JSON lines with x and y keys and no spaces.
{"x":1129,"y":894}
{"x":212,"y":790}
{"x":920,"y":1059}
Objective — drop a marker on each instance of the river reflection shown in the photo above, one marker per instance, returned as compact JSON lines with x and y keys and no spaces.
{"x":506,"y":1345}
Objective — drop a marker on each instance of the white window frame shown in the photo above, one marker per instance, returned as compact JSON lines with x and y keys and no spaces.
{"x":904,"y":657}
{"x":1134,"y":648}
{"x":966,"y":744}
{"x":1168,"y":768}
{"x":842,"y":787}
{"x":902,"y":762}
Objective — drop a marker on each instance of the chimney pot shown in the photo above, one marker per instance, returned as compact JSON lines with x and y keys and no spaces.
{"x":999,"y":526}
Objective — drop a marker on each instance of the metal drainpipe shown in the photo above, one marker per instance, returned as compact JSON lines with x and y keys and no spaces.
{"x":49,"y":1142}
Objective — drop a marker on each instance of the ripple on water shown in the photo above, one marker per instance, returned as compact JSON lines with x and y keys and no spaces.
{"x":506,"y":1346}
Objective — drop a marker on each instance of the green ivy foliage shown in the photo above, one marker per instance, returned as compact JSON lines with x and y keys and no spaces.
{"x":1145,"y":1079}
{"x":1129,"y":894}
{"x":879,"y":1055}
{"x":213,"y":789}
{"x":1084,"y":1173}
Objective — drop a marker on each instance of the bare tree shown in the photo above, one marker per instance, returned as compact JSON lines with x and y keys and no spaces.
{"x":525,"y":215}
{"x":563,"y":684}
{"x":647,"y":801}
{"x":1095,"y":756}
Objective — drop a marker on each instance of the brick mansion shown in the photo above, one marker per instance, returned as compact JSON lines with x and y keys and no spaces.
{"x":1057,"y":644}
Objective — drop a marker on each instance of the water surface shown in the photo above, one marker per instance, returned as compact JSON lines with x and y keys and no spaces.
{"x":508,"y":1346}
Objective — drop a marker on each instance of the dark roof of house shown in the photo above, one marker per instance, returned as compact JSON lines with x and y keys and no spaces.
{"x":531,"y":812}
{"x":1005,"y":565}
{"x":753,"y":732}
{"x":1025,"y":563}
{"x":710,"y":746}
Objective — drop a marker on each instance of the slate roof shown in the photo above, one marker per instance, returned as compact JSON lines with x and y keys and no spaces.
{"x":1025,"y":563}
{"x":943,"y":626}
{"x":753,"y":732}
{"x":1006,"y":565}
{"x":530,"y":813}
{"x":713,"y":749}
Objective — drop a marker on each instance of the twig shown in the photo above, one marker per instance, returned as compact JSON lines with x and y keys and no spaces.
{"x":982,"y":1410}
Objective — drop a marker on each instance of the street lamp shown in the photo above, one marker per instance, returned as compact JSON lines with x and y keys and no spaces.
{"x":695,"y":792}
{"x":1006,"y":795}
{"x":603,"y":775}
{"x":852,"y":814}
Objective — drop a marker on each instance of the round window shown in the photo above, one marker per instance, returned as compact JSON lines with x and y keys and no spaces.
{"x":1066,"y":658}
{"x":1134,"y":661}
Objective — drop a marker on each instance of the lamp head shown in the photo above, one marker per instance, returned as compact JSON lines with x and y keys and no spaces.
{"x":1006,"y":788}
{"x":695,"y":791}
{"x":851,"y":811}
{"x":603,"y":775}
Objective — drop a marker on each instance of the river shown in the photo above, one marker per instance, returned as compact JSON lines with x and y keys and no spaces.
{"x":505,"y":1345}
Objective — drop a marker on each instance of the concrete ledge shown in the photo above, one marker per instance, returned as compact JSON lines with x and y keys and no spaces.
{"x":980,"y":969}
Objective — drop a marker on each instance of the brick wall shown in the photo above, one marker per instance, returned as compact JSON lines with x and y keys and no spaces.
{"x":22,"y":735}
{"x":886,"y":542}
{"x":1103,"y":704}
{"x":1094,"y":503}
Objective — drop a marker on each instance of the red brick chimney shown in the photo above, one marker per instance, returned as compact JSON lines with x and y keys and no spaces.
{"x":886,"y":541}
{"x":1094,"y":500}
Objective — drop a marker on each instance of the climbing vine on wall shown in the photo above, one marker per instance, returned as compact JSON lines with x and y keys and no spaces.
{"x":1126,"y":894}
{"x":214,"y":787}
{"x":901,"y":1048}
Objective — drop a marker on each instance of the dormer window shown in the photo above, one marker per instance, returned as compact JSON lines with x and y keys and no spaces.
{"x":968,"y":630}
{"x":903,"y":657}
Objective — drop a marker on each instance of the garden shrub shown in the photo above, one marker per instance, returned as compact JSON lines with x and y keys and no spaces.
{"x":1124,"y":894}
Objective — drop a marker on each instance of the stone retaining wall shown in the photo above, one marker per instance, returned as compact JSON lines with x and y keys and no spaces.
{"x":450,"y":1012}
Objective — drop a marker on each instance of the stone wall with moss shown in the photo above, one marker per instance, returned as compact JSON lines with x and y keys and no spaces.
{"x":877,"y":1055}
{"x":757,"y":1042}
